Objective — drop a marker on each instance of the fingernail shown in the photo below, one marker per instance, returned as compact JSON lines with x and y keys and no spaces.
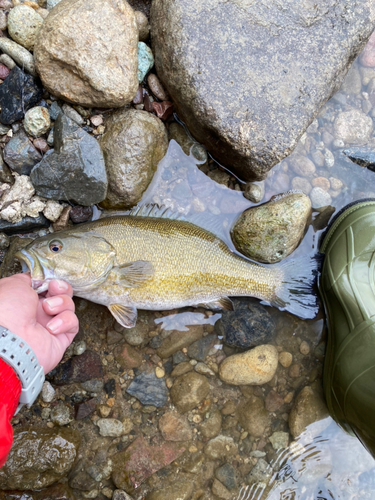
{"x":54,"y":302}
{"x":54,"y":324}
{"x":62,"y":285}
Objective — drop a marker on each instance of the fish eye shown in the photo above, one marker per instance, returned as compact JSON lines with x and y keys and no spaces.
{"x":55,"y":246}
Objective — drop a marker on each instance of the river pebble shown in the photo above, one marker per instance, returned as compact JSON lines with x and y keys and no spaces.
{"x":20,"y":154}
{"x":4,"y":71}
{"x":149,"y":389}
{"x":254,"y":191}
{"x":367,"y":57}
{"x":24,"y":25}
{"x":272,"y":231}
{"x":20,"y":55}
{"x":279,"y":440}
{"x":227,"y":475}
{"x":48,"y":392}
{"x":285,"y":359}
{"x":37,"y":121}
{"x":60,"y":415}
{"x":320,"y":198}
{"x":353,"y":127}
{"x":72,"y":114}
{"x":260,"y":473}
{"x":121,"y":495}
{"x":220,"y":490}
{"x":18,"y":93}
{"x":175,"y":427}
{"x":220,"y":447}
{"x":189,"y":390}
{"x":143,"y":26}
{"x":175,"y":341}
{"x":253,"y":416}
{"x":7,"y":61}
{"x":301,"y":184}
{"x":110,"y":427}
{"x":145,"y":60}
{"x":156,"y":87}
{"x":309,"y":406}
{"x":302,"y":166}
{"x":255,"y":367}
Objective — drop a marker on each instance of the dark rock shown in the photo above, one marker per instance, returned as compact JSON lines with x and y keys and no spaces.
{"x":82,"y":481}
{"x":110,"y":387}
{"x":5,"y":173}
{"x":78,"y":369}
{"x":54,"y":110}
{"x":20,"y":154}
{"x":80,"y":214}
{"x":156,"y":342}
{"x":54,"y":492}
{"x":140,"y":460}
{"x":85,"y":409}
{"x":74,"y":170}
{"x":10,"y":265}
{"x":249,"y":325}
{"x":365,"y":157}
{"x":199,"y":349}
{"x":214,"y":61}
{"x":25,"y":225}
{"x":149,"y":389}
{"x":227,"y":475}
{"x":93,"y":385}
{"x":18,"y":93}
{"x":39,"y":457}
{"x":179,"y":357}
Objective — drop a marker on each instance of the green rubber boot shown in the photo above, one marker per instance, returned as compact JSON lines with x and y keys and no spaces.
{"x":347,"y":288}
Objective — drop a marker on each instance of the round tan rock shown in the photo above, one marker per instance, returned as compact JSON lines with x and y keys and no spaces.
{"x":24,"y":25}
{"x":143,"y":26}
{"x":285,"y":359}
{"x":321,"y":182}
{"x":353,"y":127}
{"x":270,"y":232}
{"x":254,"y":367}
{"x":175,"y":427}
{"x":86,"y":52}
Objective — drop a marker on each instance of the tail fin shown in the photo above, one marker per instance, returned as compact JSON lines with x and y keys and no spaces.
{"x":295,"y":293}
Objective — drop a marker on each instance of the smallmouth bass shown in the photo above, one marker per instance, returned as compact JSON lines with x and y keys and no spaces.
{"x":151,"y":262}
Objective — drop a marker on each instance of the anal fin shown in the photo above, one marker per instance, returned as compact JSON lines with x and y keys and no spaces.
{"x":224,"y":303}
{"x":125,"y":315}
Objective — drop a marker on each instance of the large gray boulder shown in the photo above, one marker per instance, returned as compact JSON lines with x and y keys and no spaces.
{"x":249,"y":77}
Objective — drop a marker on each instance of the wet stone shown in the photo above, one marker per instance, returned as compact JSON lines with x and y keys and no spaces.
{"x":179,"y":357}
{"x":60,"y":415}
{"x":4,"y":241}
{"x":38,"y":458}
{"x":260,"y":473}
{"x":121,"y":495}
{"x":309,"y":406}
{"x":227,"y":475}
{"x":149,"y":389}
{"x":363,"y":156}
{"x":273,"y":401}
{"x":189,"y":390}
{"x":25,"y":225}
{"x":156,"y":342}
{"x":253,"y":417}
{"x":182,"y":368}
{"x":175,"y":341}
{"x":54,"y":492}
{"x":78,"y":369}
{"x":48,"y":392}
{"x":175,"y":427}
{"x":320,"y":198}
{"x":248,"y":325}
{"x":74,"y":170}
{"x":140,"y":460}
{"x":110,"y":427}
{"x":85,"y":409}
{"x":219,"y":490}
{"x":182,"y":489}
{"x":272,"y":231}
{"x":80,"y":214}
{"x":82,"y":481}
{"x":199,"y":350}
{"x":18,"y":93}
{"x":254,"y":191}
{"x":93,"y":386}
{"x":20,"y":154}
{"x":279,"y":440}
{"x":219,"y":447}
{"x":128,"y":357}
{"x":353,"y":127}
{"x":212,"y":425}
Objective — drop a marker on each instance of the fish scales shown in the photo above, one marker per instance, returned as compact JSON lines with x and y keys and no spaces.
{"x":206,"y":270}
{"x":152,"y":262}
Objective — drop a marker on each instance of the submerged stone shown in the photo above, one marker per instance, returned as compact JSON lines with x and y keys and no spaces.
{"x":249,"y":325}
{"x":18,"y":93}
{"x":25,"y":225}
{"x":39,"y":457}
{"x":74,"y":170}
{"x":149,"y":389}
{"x":247,"y":78}
{"x":363,"y":156}
{"x":270,"y":232}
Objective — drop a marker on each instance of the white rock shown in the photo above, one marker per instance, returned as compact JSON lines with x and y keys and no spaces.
{"x":37,"y":121}
{"x":254,"y":367}
{"x":12,"y":213}
{"x":33,"y":208}
{"x":48,"y":392}
{"x":110,"y":427}
{"x":52,"y":210}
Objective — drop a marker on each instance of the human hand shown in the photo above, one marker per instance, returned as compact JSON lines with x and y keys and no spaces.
{"x":48,"y":324}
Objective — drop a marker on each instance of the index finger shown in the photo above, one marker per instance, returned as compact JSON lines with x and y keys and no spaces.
{"x":59,"y":287}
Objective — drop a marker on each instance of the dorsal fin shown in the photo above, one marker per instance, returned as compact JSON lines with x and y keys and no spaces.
{"x":156,"y":211}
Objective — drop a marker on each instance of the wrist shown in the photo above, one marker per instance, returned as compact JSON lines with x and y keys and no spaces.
{"x":16,"y":353}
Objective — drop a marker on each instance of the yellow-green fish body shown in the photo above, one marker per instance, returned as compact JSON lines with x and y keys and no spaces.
{"x":132,"y":262}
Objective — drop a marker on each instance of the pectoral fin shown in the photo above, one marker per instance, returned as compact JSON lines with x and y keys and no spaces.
{"x":219,"y":304}
{"x":132,"y":274}
{"x":125,"y":315}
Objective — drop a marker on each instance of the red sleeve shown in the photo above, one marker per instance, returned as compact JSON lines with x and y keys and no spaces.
{"x":10,"y":390}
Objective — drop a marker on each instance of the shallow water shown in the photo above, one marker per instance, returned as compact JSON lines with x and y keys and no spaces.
{"x":324,"y":462}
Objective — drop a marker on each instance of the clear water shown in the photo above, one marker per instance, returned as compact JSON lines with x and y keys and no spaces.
{"x":325,"y":462}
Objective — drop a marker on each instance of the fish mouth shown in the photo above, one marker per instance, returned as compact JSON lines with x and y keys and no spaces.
{"x":39,"y":281}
